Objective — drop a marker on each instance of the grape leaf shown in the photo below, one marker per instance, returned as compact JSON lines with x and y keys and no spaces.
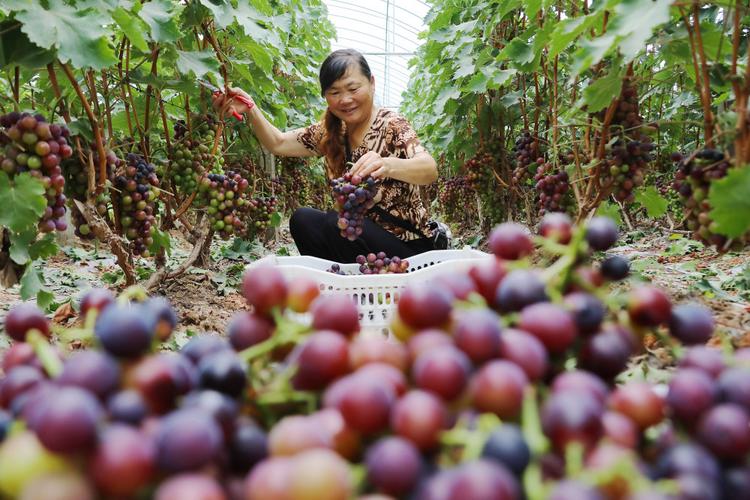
{"x":609,"y":209}
{"x":275,"y":219}
{"x":634,"y":22}
{"x":600,"y":93}
{"x":17,"y":49}
{"x":132,"y":26}
{"x":19,"y":245}
{"x":730,"y":199}
{"x":159,"y":16}
{"x":8,"y":6}
{"x":161,"y":240}
{"x":518,"y":51}
{"x":650,"y":199}
{"x":198,"y":63}
{"x":532,"y":7}
{"x":60,"y":27}
{"x":22,"y":200}
{"x":45,"y":247}
{"x":32,"y":285}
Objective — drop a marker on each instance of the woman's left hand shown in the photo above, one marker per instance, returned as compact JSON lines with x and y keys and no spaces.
{"x":372,"y":164}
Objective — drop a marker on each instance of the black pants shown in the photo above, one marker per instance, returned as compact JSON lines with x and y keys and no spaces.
{"x":315,"y":232}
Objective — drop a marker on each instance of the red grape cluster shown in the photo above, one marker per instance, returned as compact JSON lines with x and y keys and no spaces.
{"x":192,"y":156}
{"x":380,"y":263}
{"x":257,"y":216}
{"x":528,"y":157}
{"x":478,"y":170}
{"x":224,"y":197}
{"x":299,"y":184}
{"x":354,"y":197}
{"x":447,"y":413}
{"x":30,"y":144}
{"x":553,"y":187}
{"x":457,"y":198}
{"x":137,"y":196}
{"x":630,"y":153}
{"x":693,"y":183}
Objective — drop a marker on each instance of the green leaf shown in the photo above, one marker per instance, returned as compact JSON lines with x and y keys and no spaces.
{"x":221,"y":10}
{"x":132,"y":26}
{"x":477,"y":84}
{"x":81,"y":127}
{"x":275,"y":219}
{"x":60,"y":27}
{"x":568,"y":30}
{"x":44,"y":247}
{"x":611,"y":210}
{"x":161,"y":17}
{"x":22,"y":200}
{"x":19,"y":245}
{"x":260,"y":55}
{"x":161,"y":240}
{"x":32,"y":282}
{"x":8,"y":6}
{"x":199,"y":63}
{"x":17,"y":50}
{"x":650,"y":199}
{"x":730,"y":199}
{"x":600,"y":93}
{"x":518,"y":51}
{"x":532,"y":7}
{"x":634,"y":22}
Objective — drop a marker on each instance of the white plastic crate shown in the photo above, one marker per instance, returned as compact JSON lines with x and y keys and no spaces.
{"x":376,"y":295}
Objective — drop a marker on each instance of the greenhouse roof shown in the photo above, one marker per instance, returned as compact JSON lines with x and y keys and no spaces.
{"x":386,"y":32}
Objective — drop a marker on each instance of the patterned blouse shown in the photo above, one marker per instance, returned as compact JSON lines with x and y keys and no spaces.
{"x":390,"y":135}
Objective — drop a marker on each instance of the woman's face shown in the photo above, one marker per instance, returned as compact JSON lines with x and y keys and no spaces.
{"x":350,"y":97}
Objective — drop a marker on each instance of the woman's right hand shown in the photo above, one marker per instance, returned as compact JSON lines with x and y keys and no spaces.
{"x":235,"y":101}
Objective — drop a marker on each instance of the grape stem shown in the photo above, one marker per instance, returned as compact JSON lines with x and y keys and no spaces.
{"x":287,"y":332}
{"x":559,"y":272}
{"x":43,"y":350}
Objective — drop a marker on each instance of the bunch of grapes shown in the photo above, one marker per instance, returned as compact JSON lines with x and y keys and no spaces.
{"x":553,"y":187}
{"x":480,"y":171}
{"x":136,"y":197}
{"x":456,"y":195}
{"x":528,"y":157}
{"x":192,"y":156}
{"x":297,"y":184}
{"x":630,"y":153}
{"x":256,"y":216}
{"x":77,"y":188}
{"x":380,"y":263}
{"x":693,"y":182}
{"x":354,"y":197}
{"x":223,"y":196}
{"x":30,"y":144}
{"x":434,"y":416}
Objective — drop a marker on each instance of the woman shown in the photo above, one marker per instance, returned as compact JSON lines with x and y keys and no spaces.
{"x":379,"y":143}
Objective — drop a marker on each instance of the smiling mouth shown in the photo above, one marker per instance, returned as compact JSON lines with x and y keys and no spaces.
{"x":350,"y":110}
